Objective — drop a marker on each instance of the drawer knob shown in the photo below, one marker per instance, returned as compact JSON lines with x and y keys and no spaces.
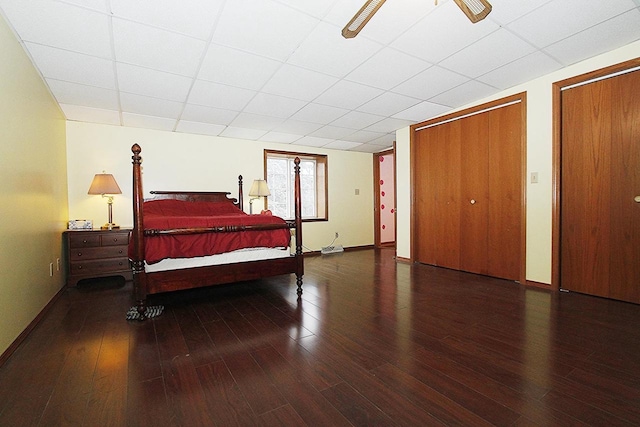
{"x":120,"y":251}
{"x":79,"y":267}
{"x":79,"y":253}
{"x":84,"y":241}
{"x":115,"y":239}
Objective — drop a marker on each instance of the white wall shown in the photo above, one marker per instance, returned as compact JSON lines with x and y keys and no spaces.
{"x":178,"y":161}
{"x":539,"y":159}
{"x":33,"y":191}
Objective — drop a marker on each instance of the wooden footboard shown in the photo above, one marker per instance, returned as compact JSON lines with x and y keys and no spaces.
{"x":165,"y":281}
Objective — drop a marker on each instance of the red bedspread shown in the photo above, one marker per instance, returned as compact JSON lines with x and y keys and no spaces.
{"x":172,"y":214}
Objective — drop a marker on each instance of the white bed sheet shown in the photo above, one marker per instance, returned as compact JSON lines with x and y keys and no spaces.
{"x":242,"y":255}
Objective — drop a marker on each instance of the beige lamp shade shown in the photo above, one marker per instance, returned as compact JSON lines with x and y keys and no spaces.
{"x":259,"y":188}
{"x":104,"y":183}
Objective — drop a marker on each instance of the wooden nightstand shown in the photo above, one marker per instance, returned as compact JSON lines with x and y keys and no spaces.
{"x":96,"y":253}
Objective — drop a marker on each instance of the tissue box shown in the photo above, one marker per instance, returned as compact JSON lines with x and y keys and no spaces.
{"x":80,"y":224}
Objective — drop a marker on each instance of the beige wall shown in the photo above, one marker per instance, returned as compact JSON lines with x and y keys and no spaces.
{"x":178,"y":161}
{"x":539,"y":159}
{"x":33,"y":191}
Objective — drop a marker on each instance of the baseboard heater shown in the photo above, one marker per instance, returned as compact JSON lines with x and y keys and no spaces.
{"x":332,"y":250}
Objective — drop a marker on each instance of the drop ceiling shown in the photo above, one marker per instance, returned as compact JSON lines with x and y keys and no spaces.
{"x":280,"y":71}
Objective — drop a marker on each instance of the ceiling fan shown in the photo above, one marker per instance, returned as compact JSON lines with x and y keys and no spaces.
{"x":476,"y":10}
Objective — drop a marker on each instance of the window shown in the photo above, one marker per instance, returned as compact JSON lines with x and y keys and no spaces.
{"x":313,"y":184}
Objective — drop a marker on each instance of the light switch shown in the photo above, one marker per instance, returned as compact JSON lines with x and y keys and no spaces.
{"x":534,"y":177}
{"x":357,"y":191}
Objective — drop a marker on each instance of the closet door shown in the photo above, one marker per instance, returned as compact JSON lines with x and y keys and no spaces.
{"x":468,"y":192}
{"x":504,"y":221}
{"x":474,"y":201}
{"x":600,"y":215}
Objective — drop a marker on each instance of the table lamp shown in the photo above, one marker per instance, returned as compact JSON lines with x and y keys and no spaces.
{"x":106,"y":185}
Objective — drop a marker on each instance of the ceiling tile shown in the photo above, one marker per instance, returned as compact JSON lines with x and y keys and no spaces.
{"x":157,"y":84}
{"x":388,"y":104}
{"x":473,"y":60}
{"x":242,"y":133}
{"x":463,"y":94}
{"x":368,"y":148}
{"x":220,"y":96}
{"x":264,"y":27}
{"x":199,"y":128}
{"x":506,"y":11}
{"x":72,"y":67}
{"x":88,"y":96}
{"x":199,"y":113}
{"x":601,"y":38}
{"x":423,"y":111}
{"x":318,"y":113}
{"x":315,"y":8}
{"x":357,"y":120}
{"x":147,"y":106}
{"x":554,"y":16}
{"x":363,"y":136}
{"x":256,"y":121}
{"x":147,"y":122}
{"x":342,"y":145}
{"x":389,"y":125}
{"x":297,"y":127}
{"x":236,"y":68}
{"x":314,"y":83}
{"x":273,"y":105}
{"x":157,"y":49}
{"x":430,"y":82}
{"x":521,"y":70}
{"x":442,"y":33}
{"x":280,"y":137}
{"x":60,"y":25}
{"x":332,"y":132}
{"x":348,"y":95}
{"x":313,"y":141}
{"x":97,"y":5}
{"x":377,"y":71}
{"x":195,"y":18}
{"x":92,"y":115}
{"x":326,"y":51}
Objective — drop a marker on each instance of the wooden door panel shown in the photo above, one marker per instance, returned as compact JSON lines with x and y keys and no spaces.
{"x":425,"y":196}
{"x":505,"y":192}
{"x":474,"y":197}
{"x":624,"y":282}
{"x":447,"y":169}
{"x":586,"y":184}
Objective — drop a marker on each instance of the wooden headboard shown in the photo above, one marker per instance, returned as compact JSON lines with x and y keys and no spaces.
{"x":200,"y":196}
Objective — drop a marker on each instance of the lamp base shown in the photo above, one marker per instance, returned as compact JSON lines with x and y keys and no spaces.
{"x":110,"y":226}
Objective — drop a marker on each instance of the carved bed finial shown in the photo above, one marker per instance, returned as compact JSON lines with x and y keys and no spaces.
{"x":136,"y":150}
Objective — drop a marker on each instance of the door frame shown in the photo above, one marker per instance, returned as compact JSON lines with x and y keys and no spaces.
{"x":515,"y":98}
{"x":557,"y":87}
{"x":376,"y":197}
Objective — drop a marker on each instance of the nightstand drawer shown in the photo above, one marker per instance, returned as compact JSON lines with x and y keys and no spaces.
{"x":99,"y":266}
{"x":81,"y":254}
{"x":115,"y":239}
{"x":78,"y":239}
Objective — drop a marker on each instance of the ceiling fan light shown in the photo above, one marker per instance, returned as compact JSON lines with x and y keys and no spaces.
{"x":476,"y":10}
{"x":361,"y":18}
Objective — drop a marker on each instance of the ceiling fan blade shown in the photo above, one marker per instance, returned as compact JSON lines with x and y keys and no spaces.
{"x":476,"y":10}
{"x":361,"y":18}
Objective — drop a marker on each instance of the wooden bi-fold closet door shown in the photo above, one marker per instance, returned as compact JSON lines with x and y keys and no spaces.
{"x":468,"y":193}
{"x":600,"y":183}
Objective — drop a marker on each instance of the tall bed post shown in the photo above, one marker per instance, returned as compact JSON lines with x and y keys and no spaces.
{"x":240,"y":195}
{"x":137,"y":261}
{"x":298,"y":223}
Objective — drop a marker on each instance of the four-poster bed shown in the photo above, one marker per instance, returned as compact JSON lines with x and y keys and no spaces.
{"x":185,"y":239}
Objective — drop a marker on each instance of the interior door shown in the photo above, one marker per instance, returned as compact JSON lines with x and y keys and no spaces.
{"x":385,"y":200}
{"x":600,"y":181}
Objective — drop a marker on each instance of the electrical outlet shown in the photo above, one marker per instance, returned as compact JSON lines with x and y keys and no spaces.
{"x":337,"y":235}
{"x":57,"y":264}
{"x":50,"y":269}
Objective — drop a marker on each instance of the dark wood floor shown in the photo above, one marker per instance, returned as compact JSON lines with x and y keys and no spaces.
{"x":371,"y":342}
